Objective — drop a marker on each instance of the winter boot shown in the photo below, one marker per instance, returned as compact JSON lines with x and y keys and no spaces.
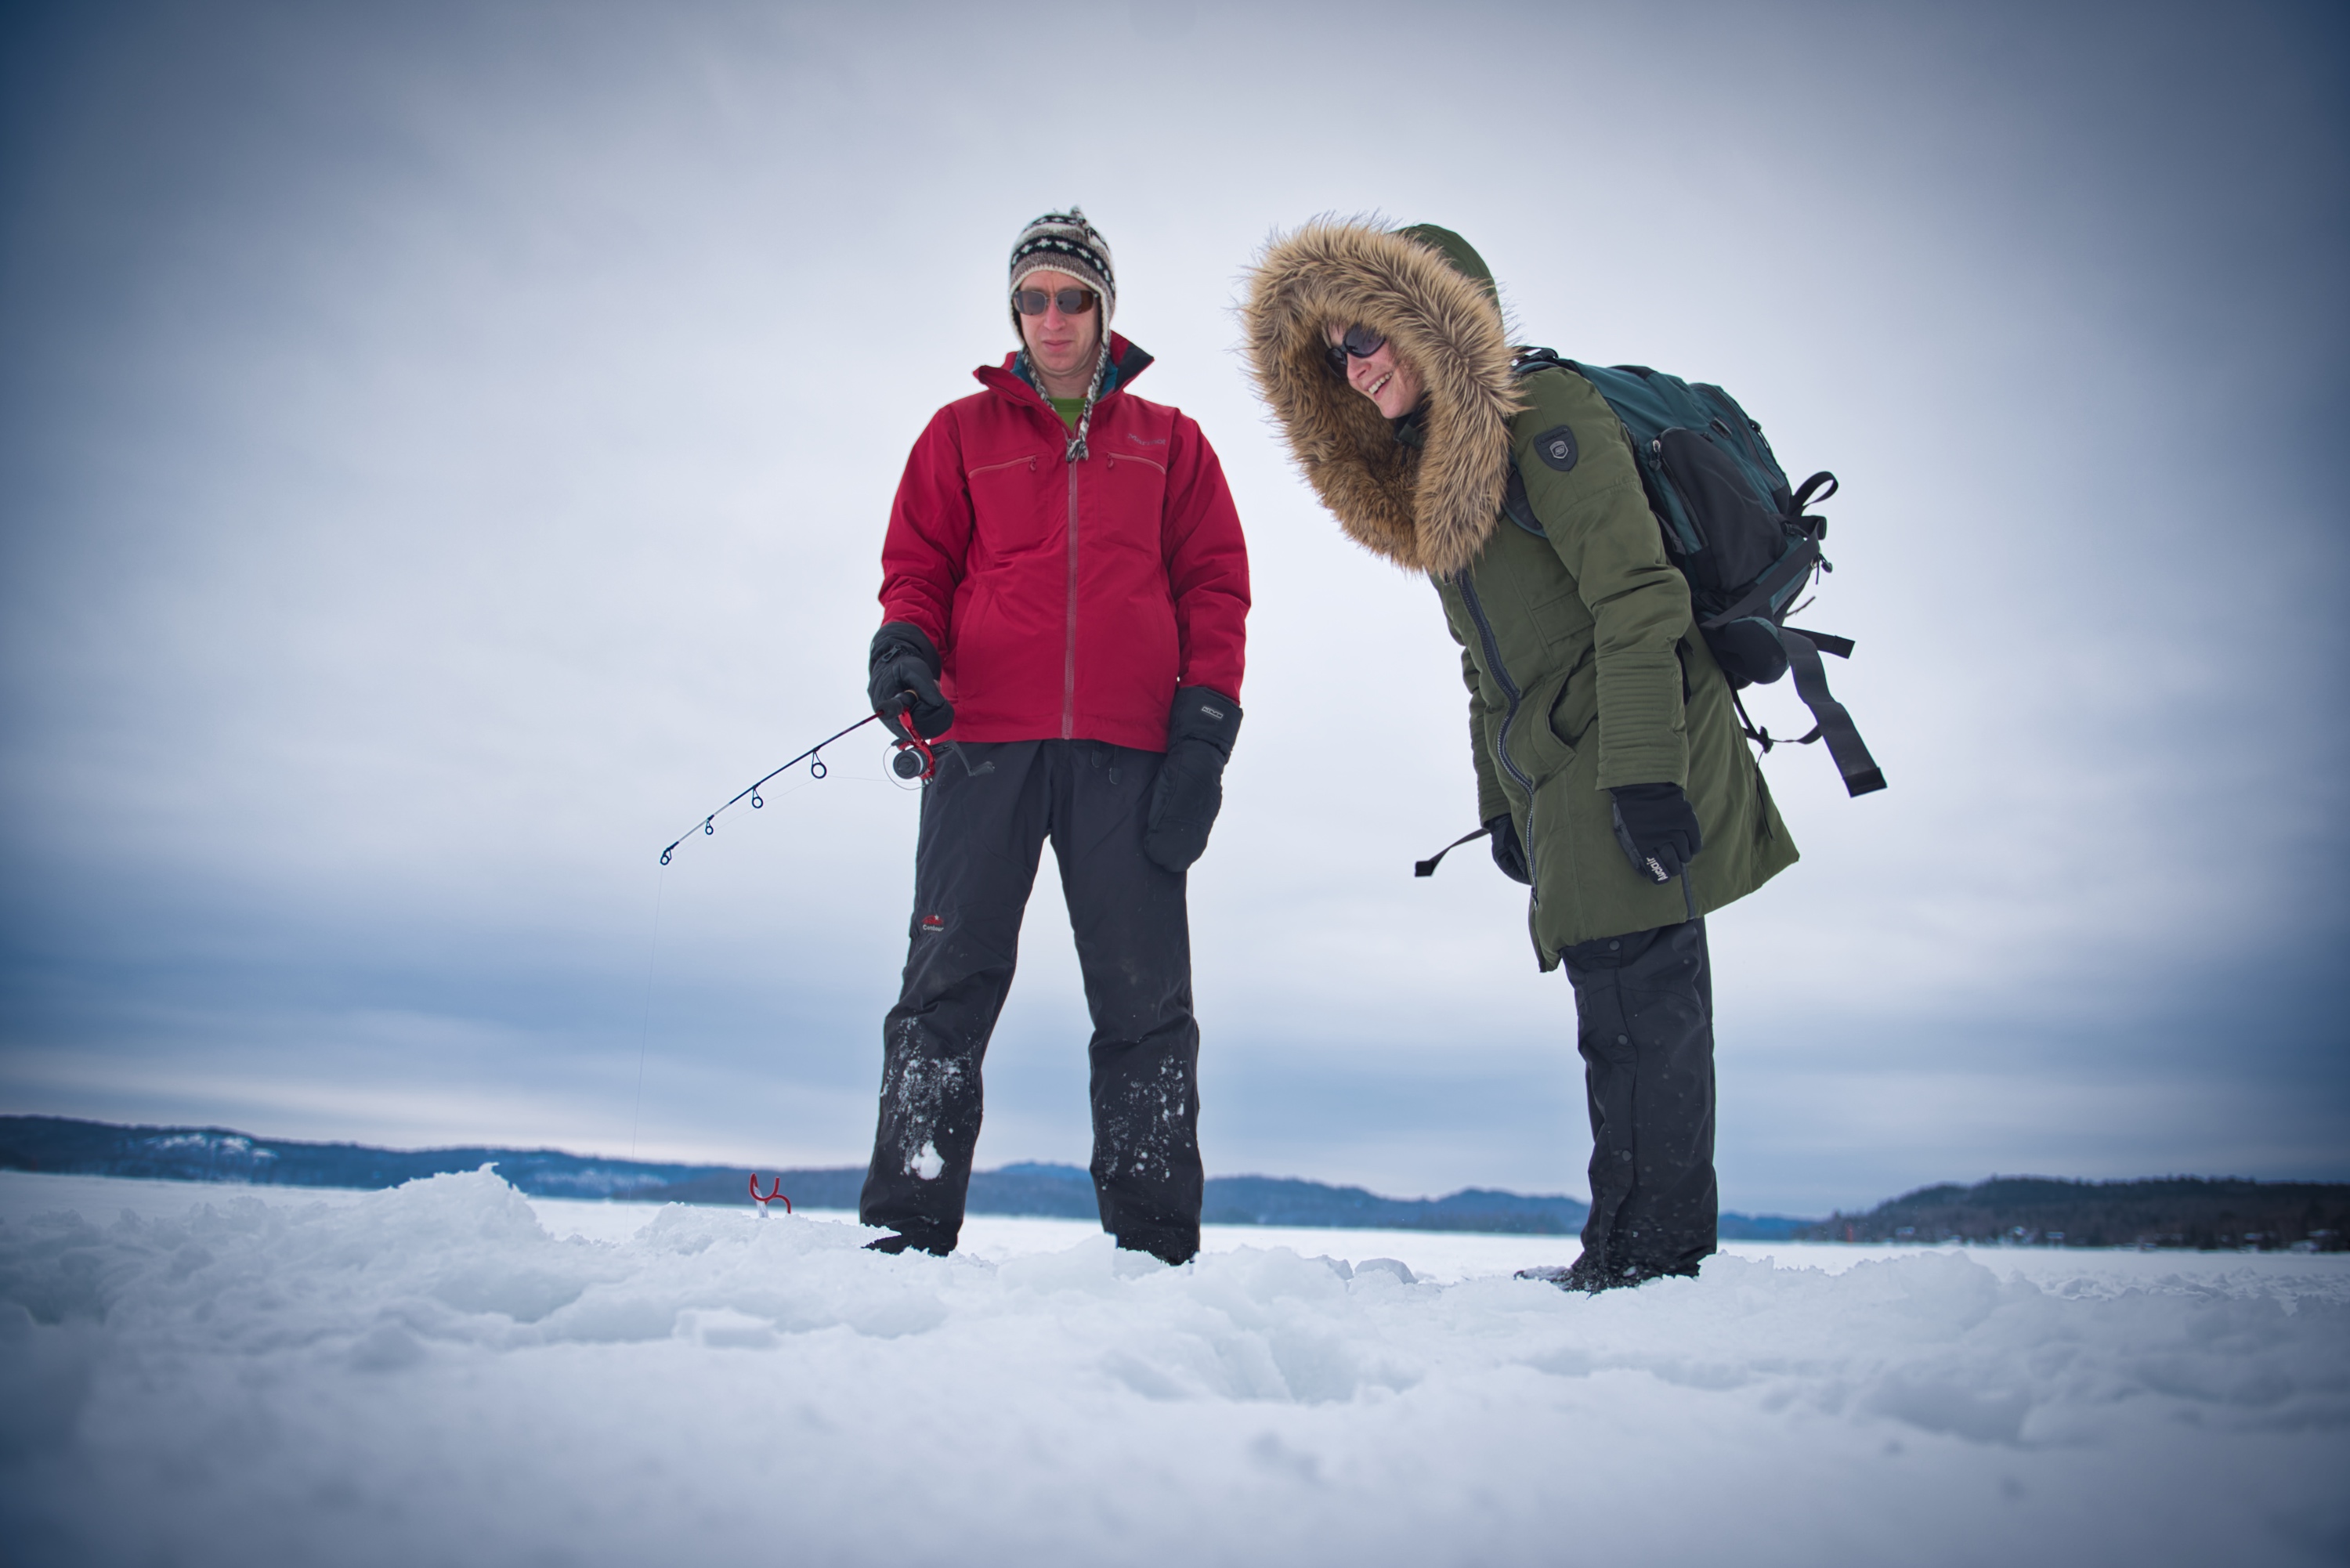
{"x":896,"y":1244}
{"x":1590,"y":1279}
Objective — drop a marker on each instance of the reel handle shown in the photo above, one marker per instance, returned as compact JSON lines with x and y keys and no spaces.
{"x":915,"y":759}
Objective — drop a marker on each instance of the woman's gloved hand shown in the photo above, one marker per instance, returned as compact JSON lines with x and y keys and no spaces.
{"x":1508,"y":853}
{"x":1190,"y":786}
{"x":1658,"y":828}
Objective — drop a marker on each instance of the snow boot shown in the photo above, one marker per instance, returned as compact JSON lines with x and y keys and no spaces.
{"x":896,"y":1244}
{"x":1580,"y":1275}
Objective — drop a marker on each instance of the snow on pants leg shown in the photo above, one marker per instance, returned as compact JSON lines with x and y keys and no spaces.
{"x":1643,"y":1016}
{"x":984,"y":818}
{"x":1134,"y":946}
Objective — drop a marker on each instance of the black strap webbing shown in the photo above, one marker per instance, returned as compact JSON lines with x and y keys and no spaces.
{"x":1787,"y":569}
{"x":1861,"y":773}
{"x":1748,"y":727}
{"x":1428,"y":867}
{"x":1825,"y":642}
{"x":1809,"y":490}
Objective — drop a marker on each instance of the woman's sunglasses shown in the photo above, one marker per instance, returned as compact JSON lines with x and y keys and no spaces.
{"x":1033,"y":301}
{"x":1360,"y":342}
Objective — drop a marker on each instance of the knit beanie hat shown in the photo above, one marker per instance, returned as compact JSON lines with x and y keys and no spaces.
{"x":1066,"y":242}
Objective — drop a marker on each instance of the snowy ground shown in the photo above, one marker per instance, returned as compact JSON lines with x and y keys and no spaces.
{"x":452,"y":1374}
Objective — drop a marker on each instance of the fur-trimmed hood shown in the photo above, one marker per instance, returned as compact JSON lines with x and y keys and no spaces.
{"x":1428,"y":507}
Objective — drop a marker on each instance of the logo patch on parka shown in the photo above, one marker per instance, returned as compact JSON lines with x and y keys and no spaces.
{"x":1557,"y":448}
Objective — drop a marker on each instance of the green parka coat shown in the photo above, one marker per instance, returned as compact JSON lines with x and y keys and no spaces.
{"x":1584,"y":664}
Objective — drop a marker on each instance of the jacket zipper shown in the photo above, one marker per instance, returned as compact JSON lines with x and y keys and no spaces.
{"x":1069,"y":661}
{"x":1509,"y":689}
{"x":1500,"y":672}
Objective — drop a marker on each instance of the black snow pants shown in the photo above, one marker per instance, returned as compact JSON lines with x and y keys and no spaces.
{"x":1644,"y":1017}
{"x":985,"y":816}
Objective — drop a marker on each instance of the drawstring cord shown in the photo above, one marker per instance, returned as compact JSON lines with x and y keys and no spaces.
{"x":1076,"y":451}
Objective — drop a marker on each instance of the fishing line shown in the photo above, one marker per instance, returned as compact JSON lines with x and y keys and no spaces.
{"x":913,"y":750}
{"x":645,"y":1040}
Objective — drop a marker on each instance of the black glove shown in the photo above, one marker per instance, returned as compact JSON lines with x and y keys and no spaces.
{"x":1190,"y":787}
{"x":1508,"y":853}
{"x":1658,"y":828}
{"x":905,"y":674}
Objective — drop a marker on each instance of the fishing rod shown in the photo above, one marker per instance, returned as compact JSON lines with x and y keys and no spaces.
{"x":915,"y":760}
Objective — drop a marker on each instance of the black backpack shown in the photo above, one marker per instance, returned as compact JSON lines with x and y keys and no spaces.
{"x":1737,"y":532}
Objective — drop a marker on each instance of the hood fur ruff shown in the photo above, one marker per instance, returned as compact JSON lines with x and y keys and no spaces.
{"x":1429,"y":510}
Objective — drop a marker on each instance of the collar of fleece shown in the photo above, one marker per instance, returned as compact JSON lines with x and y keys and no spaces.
{"x":1430,"y":508}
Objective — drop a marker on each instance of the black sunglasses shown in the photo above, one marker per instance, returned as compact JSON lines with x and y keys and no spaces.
{"x":1360,"y":342}
{"x":1072,"y":301}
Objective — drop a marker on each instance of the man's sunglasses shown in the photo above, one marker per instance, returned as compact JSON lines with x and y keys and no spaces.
{"x":1360,"y":342}
{"x":1033,"y":301}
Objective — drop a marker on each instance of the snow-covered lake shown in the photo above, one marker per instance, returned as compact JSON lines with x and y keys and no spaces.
{"x":452,"y":1374}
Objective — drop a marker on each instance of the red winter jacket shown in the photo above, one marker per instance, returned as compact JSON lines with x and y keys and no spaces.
{"x":1068,"y":600}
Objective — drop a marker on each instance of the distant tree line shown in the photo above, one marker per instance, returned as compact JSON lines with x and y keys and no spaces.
{"x":2207,"y":1213}
{"x":66,"y":1145}
{"x":2174,"y":1211}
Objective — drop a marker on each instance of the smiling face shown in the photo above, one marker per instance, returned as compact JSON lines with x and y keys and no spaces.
{"x":1062,"y":347}
{"x":1387,"y":380}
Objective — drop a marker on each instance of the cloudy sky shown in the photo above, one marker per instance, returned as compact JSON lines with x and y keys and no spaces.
{"x":445,"y":451}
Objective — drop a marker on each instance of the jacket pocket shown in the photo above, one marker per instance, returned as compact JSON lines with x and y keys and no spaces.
{"x":1563,"y":620}
{"x":1134,"y":497}
{"x":1010,"y":512}
{"x":1535,"y":739}
{"x":1570,"y":714}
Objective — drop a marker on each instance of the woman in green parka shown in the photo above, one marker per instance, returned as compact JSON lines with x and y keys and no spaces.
{"x":1611,"y":773}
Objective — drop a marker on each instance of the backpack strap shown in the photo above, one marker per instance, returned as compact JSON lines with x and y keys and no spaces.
{"x":1772,"y":585}
{"x":1428,"y":867}
{"x":1827,"y":643}
{"x":1753,"y":731}
{"x":1805,"y":495}
{"x":1515,"y":503}
{"x":1518,"y":506}
{"x":1832,"y":723}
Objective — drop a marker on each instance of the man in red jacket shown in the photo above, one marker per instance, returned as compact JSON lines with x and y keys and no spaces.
{"x":1064,"y":594}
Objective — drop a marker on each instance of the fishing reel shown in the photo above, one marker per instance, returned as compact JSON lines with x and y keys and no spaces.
{"x":915,"y":759}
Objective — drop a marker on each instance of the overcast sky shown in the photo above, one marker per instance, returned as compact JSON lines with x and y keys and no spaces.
{"x":444,"y":452}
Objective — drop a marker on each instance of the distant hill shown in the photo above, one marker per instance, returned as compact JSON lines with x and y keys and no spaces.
{"x":68,"y":1147}
{"x":2205,"y":1213}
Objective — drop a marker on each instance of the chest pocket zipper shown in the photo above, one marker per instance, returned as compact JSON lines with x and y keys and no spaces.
{"x":1027,"y":463}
